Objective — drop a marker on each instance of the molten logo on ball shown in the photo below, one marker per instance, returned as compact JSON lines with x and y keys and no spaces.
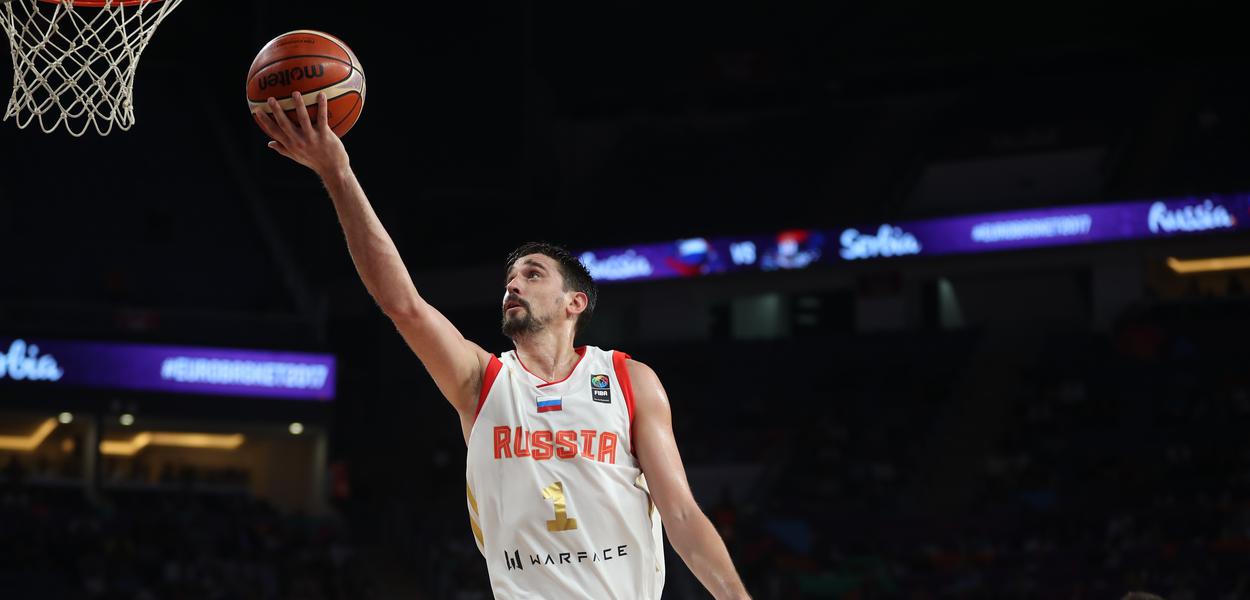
{"x":286,"y":77}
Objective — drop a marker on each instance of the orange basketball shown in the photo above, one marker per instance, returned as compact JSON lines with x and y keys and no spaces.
{"x":308,"y":62}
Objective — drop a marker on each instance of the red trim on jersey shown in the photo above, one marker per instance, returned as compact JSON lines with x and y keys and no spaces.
{"x":492,"y":371}
{"x":581,"y":353}
{"x":622,"y":376}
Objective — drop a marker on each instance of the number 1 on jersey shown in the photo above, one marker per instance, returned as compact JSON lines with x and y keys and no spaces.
{"x":562,"y":522}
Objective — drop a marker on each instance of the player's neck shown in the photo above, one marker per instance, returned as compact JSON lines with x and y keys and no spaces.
{"x":549,"y":356}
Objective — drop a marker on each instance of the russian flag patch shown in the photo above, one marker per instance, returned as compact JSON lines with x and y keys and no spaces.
{"x":548,"y":403}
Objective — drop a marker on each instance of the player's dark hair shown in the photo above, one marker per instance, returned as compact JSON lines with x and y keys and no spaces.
{"x":576,"y":277}
{"x":1141,"y":596}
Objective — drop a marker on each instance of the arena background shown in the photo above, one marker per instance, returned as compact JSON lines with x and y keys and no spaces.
{"x":1049,"y":423}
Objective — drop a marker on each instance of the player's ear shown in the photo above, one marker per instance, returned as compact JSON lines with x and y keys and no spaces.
{"x":578,"y":302}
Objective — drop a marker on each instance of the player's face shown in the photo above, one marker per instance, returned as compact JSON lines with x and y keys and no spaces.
{"x":533,"y":294}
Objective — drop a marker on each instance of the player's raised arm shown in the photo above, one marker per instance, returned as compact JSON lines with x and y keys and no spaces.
{"x":455,"y":364}
{"x":693,"y":536}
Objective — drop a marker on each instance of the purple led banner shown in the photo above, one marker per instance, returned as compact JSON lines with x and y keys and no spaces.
{"x":696,"y":257}
{"x":1015,"y":230}
{"x":179,"y":369}
{"x":1052,"y":227}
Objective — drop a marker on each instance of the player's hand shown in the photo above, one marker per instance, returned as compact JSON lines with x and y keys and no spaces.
{"x":310,"y":144}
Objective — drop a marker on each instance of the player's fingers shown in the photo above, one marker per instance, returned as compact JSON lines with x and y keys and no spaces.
{"x":280,"y":117}
{"x":301,"y":111}
{"x":323,"y":111}
{"x":267,"y":125}
{"x":271,"y":129}
{"x":280,"y":149}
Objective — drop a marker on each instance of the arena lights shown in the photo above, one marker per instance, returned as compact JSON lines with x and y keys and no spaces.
{"x":1207,"y":265}
{"x":144,"y":439}
{"x":969,"y":234}
{"x":27,"y":443}
{"x":176,"y":369}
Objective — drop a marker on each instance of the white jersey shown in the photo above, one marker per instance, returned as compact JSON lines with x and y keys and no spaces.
{"x":557,"y":501}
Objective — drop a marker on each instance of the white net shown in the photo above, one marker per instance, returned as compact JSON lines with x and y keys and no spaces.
{"x":74,"y":62}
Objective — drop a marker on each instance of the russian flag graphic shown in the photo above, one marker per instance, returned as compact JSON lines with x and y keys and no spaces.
{"x":548,"y":403}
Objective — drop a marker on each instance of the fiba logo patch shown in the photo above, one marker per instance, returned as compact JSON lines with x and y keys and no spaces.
{"x":600,"y":389}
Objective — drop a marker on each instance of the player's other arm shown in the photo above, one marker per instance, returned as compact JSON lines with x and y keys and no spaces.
{"x":689,"y":530}
{"x":455,"y":364}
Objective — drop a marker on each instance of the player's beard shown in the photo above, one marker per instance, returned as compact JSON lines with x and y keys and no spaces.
{"x":521,"y":326}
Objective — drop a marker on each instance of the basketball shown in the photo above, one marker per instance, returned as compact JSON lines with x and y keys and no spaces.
{"x":308,"y":62}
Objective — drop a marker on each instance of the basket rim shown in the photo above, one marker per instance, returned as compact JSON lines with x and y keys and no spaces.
{"x":100,"y":3}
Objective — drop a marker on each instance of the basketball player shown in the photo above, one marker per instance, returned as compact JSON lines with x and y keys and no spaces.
{"x":570,"y":449}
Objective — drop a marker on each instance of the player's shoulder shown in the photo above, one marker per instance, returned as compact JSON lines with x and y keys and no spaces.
{"x":636,"y":369}
{"x":484,"y":357}
{"x":644,"y":388}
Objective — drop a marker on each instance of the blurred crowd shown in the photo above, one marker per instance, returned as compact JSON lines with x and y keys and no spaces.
{"x":1120,"y":463}
{"x":158,"y":545}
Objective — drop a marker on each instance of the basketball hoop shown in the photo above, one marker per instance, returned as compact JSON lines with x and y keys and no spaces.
{"x":74,"y":61}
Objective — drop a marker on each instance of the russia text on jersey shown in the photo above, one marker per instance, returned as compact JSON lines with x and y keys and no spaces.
{"x":544,"y":444}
